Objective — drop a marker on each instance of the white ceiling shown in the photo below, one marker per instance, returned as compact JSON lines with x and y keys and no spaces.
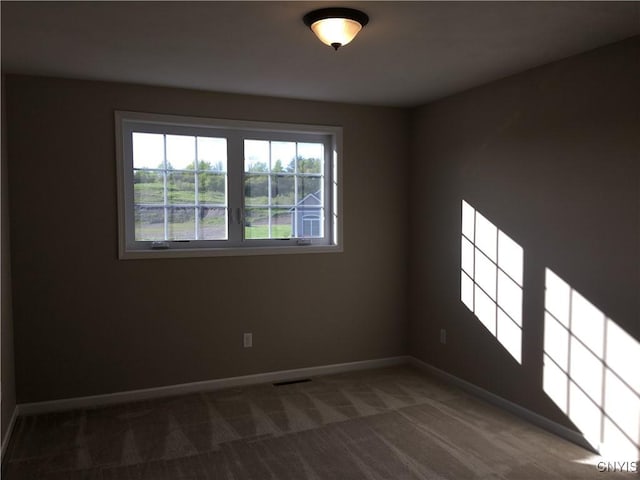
{"x":409,"y":54}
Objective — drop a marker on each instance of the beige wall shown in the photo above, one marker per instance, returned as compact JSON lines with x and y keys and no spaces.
{"x":552,"y":157}
{"x":6,"y":329}
{"x":87,"y":323}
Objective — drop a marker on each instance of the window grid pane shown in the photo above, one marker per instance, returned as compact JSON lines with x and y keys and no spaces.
{"x":168,"y":174}
{"x":283,"y":190}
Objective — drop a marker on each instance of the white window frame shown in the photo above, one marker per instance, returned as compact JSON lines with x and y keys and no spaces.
{"x":235,"y":131}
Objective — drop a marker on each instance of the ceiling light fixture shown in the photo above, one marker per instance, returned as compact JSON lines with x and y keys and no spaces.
{"x":336,"y":26}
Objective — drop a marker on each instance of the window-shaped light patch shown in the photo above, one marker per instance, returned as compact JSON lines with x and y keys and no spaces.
{"x":491,"y":278}
{"x":591,"y":370}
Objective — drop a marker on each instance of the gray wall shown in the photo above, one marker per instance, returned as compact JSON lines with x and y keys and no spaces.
{"x":6,"y":329}
{"x":87,"y":323}
{"x":552,"y":157}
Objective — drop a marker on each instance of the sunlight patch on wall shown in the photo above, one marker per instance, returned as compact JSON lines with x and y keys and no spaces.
{"x":491,"y":279}
{"x":591,"y":370}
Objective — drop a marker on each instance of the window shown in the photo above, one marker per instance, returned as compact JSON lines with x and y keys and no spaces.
{"x":311,"y":225}
{"x":201,"y":187}
{"x":491,"y":279}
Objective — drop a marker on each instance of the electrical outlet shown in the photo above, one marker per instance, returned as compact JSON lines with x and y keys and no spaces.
{"x":248,"y":340}
{"x":443,"y":336}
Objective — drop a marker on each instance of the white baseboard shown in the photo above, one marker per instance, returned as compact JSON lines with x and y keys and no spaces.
{"x":284,"y":375}
{"x":207,"y":385}
{"x":519,"y":411}
{"x":7,"y":434}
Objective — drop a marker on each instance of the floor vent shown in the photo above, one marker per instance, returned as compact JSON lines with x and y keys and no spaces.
{"x":290,"y":382}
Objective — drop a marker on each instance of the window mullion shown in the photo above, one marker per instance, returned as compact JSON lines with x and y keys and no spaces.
{"x":196,"y":221}
{"x":296,"y":196}
{"x":327,"y":199}
{"x":235,"y":186}
{"x":269,"y":194}
{"x":165,"y":200}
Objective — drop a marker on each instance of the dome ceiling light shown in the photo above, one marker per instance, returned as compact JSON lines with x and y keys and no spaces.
{"x":336,"y":26}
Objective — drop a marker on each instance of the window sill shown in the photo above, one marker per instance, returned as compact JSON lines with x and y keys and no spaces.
{"x":228,"y":252}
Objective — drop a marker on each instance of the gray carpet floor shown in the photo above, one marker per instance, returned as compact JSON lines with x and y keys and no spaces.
{"x":393,"y":424}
